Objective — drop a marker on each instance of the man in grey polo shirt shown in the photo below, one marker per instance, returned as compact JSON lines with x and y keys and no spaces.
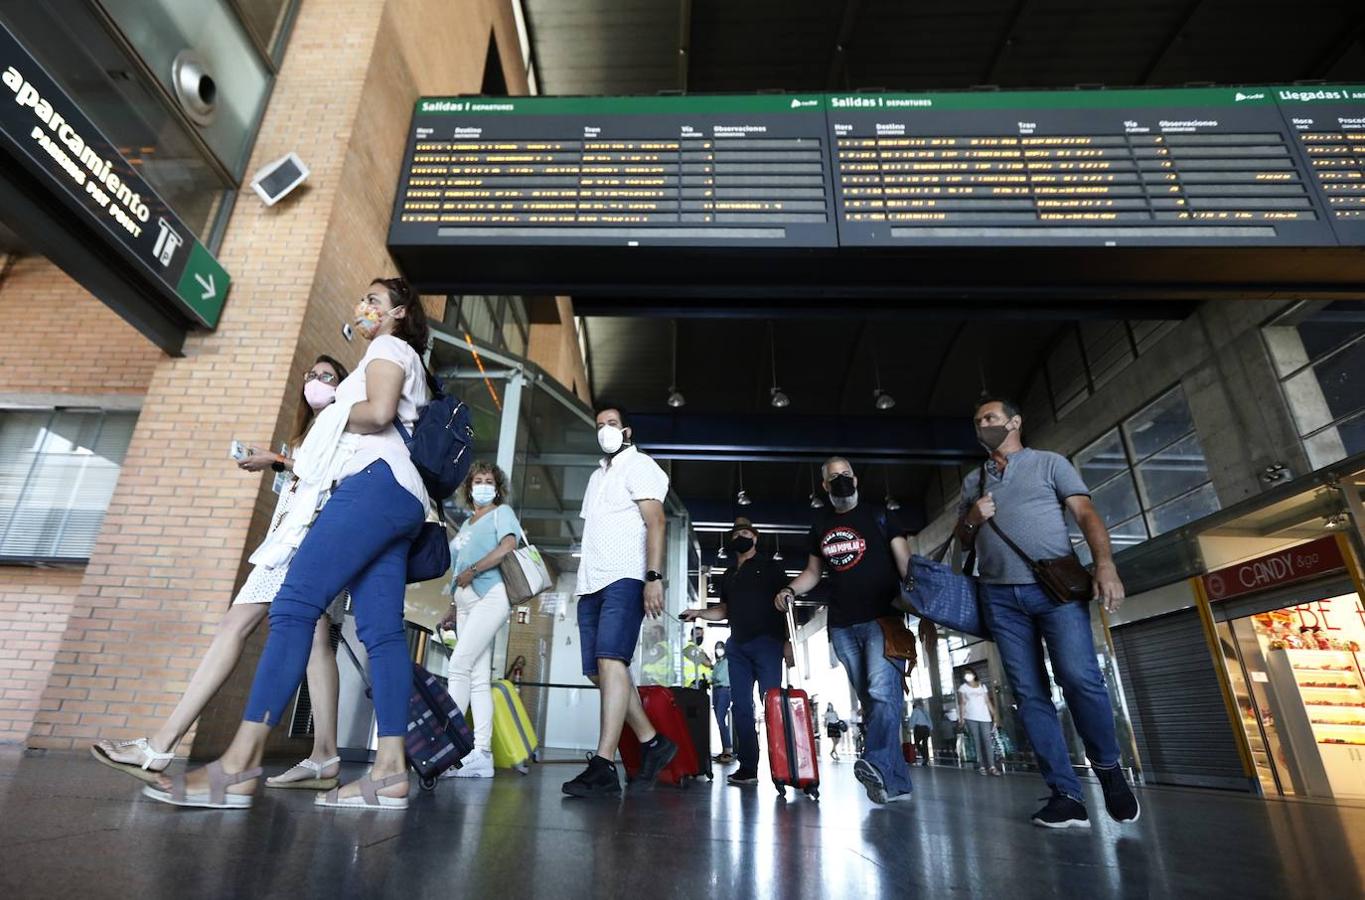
{"x":1027,"y":493}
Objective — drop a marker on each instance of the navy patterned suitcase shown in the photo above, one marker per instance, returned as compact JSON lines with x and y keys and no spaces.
{"x":438,"y":736}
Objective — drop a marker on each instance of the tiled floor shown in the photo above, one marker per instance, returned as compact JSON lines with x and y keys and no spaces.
{"x":70,"y":828}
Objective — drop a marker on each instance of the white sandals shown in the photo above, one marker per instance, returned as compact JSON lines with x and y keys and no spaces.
{"x":318,"y":782}
{"x":150,"y":764}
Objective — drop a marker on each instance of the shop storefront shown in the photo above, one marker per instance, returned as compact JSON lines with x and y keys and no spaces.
{"x":1290,"y":628}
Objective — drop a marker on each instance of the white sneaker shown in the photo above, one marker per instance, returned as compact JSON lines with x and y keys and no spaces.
{"x":478,"y":764}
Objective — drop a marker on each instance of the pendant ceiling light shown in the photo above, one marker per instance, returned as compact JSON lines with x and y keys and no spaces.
{"x":742,"y":498}
{"x":816,"y":501}
{"x":675,"y":397}
{"x":882,"y":399}
{"x":779,"y":398}
{"x":891,"y":502}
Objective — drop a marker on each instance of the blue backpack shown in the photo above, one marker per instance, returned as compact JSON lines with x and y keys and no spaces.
{"x":441,"y":443}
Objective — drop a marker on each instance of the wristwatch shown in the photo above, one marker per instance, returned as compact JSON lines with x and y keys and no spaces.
{"x":277,"y":466}
{"x":652,"y":575}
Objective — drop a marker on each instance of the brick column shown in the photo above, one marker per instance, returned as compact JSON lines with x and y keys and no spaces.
{"x":183,"y":519}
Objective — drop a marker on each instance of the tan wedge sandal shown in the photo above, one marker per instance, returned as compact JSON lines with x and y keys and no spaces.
{"x":369,"y":794}
{"x":216,"y":797}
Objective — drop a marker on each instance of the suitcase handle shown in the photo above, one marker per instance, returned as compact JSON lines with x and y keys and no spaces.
{"x":798,"y":659}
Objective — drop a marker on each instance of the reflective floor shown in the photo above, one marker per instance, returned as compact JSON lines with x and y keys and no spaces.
{"x":72,"y":828}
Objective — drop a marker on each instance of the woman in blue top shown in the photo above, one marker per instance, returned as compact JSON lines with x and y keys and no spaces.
{"x":479,"y":606}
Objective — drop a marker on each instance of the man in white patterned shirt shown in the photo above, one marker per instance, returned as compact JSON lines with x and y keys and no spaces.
{"x":619,"y":581}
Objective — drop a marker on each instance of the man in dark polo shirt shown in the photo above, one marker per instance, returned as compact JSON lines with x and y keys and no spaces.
{"x":1026,"y":494}
{"x":853,"y":544}
{"x":757,"y":634}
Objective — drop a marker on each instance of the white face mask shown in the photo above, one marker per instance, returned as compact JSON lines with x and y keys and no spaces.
{"x":483,"y":494}
{"x":610,"y":439}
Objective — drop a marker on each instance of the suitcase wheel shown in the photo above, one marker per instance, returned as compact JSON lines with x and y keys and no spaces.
{"x":813,"y":793}
{"x":781,"y":789}
{"x":428,"y":784}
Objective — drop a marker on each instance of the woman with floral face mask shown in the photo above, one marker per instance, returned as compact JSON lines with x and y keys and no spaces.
{"x":145,"y":757}
{"x":479,"y":606}
{"x":359,"y":542}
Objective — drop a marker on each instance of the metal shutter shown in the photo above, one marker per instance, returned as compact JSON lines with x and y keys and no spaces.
{"x":1175,"y":705}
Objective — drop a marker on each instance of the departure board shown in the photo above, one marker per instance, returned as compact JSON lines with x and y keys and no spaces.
{"x":727,"y":171}
{"x":1199,"y":167}
{"x":1329,"y":125}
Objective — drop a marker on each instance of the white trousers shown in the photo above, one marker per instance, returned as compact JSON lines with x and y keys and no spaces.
{"x":477,"y":622}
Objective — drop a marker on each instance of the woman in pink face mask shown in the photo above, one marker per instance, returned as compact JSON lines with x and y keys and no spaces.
{"x":145,"y":757}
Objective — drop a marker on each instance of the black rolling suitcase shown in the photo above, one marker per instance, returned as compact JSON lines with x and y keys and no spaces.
{"x":695,"y":705}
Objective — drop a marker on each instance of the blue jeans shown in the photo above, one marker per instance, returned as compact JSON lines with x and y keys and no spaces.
{"x":1022,"y":617}
{"x":720,"y":704}
{"x":756,"y":660}
{"x":360,"y":541}
{"x":879,"y":686}
{"x":609,"y":622}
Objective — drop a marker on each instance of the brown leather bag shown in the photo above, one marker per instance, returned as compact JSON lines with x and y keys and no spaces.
{"x":1062,"y":578}
{"x":898,"y":645}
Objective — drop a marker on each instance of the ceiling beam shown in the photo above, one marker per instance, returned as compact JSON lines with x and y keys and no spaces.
{"x":1169,"y":44}
{"x":1339,"y":47}
{"x":684,"y":42}
{"x":992,"y":70}
{"x":1042,"y":310}
{"x":837,"y":78}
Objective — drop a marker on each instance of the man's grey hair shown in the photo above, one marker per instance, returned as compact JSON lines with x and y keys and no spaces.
{"x":824,"y":466}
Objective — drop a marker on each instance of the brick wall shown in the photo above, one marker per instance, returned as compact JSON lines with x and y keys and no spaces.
{"x":71,"y":342}
{"x":183,"y":519}
{"x":34,"y":604}
{"x":75,"y":345}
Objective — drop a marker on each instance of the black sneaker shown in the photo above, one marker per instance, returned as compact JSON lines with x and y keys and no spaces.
{"x":655,"y":759}
{"x":1119,"y":800}
{"x":1062,"y":812}
{"x":743,"y":777}
{"x":871,"y":780}
{"x":599,"y":779}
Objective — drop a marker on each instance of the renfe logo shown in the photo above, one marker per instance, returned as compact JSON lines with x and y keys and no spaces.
{"x":1285,"y":567}
{"x":1239,"y":97}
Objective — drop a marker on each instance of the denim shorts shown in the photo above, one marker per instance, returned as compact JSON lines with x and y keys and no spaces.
{"x":609,"y":622}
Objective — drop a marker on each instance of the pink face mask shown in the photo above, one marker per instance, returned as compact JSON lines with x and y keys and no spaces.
{"x":319,"y":395}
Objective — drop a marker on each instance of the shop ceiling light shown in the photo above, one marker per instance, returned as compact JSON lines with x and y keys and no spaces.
{"x":892,"y":503}
{"x":742,"y":498}
{"x":720,"y":553}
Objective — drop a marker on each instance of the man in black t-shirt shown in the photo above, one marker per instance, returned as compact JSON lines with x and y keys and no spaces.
{"x":757,"y":635}
{"x":853,"y":544}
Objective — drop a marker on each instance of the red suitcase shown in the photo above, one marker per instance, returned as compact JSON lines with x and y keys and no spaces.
{"x":790,"y":723}
{"x":665,"y":715}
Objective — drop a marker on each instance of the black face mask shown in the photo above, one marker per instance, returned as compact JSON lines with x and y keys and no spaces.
{"x":992,"y":436}
{"x":842,"y":486}
{"x":741,"y":544}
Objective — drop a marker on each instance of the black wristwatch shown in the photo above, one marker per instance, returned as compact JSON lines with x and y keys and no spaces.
{"x":277,"y":466}
{"x":652,"y":575}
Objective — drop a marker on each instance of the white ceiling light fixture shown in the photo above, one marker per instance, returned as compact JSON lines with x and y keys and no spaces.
{"x":720,"y":553}
{"x":777,"y":551}
{"x":675,"y":397}
{"x":779,"y":398}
